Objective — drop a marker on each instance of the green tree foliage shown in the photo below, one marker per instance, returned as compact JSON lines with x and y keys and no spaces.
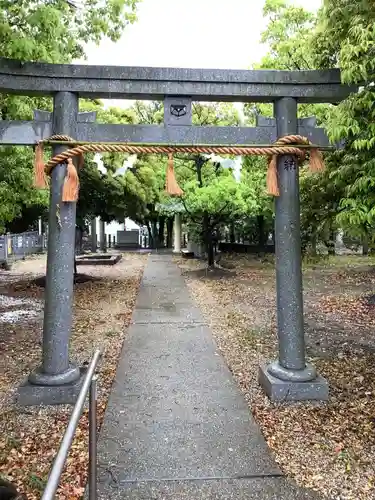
{"x":123,"y":192}
{"x":212,"y":195}
{"x":341,"y":35}
{"x":256,"y":223}
{"x":218,"y":114}
{"x":16,"y":192}
{"x":16,"y":172}
{"x":146,"y":179}
{"x":103,"y":193}
{"x":289,"y":27}
{"x":290,"y":35}
{"x":145,"y":183}
{"x":57,"y":30}
{"x":345,"y":37}
{"x":49,"y":31}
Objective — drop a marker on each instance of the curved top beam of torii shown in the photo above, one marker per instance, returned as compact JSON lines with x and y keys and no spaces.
{"x":25,"y":78}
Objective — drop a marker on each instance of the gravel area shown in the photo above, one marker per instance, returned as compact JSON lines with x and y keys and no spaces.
{"x":329,"y":447}
{"x":103,"y":304}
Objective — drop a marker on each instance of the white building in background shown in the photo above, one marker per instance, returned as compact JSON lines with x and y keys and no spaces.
{"x":112,"y":228}
{"x":130,"y":224}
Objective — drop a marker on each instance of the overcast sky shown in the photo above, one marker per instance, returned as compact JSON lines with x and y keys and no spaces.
{"x":219,"y":34}
{"x":191,"y":33}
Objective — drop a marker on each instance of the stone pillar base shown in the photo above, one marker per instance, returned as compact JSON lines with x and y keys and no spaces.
{"x":34,"y":395}
{"x":279,"y":390}
{"x":38,"y":377}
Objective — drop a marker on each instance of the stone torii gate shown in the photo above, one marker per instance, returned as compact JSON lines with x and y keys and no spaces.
{"x":57,"y":380}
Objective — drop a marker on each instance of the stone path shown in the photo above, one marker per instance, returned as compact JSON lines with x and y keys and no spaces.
{"x":177,"y":426}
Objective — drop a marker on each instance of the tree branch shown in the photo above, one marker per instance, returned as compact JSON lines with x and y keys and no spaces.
{"x":189,"y":213}
{"x":217,"y":219}
{"x":189,"y":158}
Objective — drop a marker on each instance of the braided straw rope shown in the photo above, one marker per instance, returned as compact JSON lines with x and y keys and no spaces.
{"x":288,"y":145}
{"x":280,"y":147}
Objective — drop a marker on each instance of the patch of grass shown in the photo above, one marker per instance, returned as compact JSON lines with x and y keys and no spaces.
{"x":351,"y":260}
{"x":234,"y":317}
{"x":111,"y":333}
{"x":252,"y":335}
{"x":346,"y":458}
{"x":36,"y":482}
{"x":338,"y":261}
{"x":315,"y":260}
{"x":249,"y":260}
{"x":13,"y":443}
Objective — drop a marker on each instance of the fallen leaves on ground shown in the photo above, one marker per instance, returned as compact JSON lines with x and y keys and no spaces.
{"x":329,"y":447}
{"x":360,"y":310}
{"x":30,"y":437}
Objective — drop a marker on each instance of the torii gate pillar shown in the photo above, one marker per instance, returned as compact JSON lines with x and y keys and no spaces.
{"x":56,"y":381}
{"x":289,"y":378}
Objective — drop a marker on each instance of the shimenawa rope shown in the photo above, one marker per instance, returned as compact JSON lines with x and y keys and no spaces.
{"x":287,"y":145}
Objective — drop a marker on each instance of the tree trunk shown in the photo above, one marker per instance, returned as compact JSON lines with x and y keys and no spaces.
{"x":331,"y":243}
{"x":199,"y":162}
{"x":150,"y":236}
{"x":103,"y":241}
{"x":313,"y":245}
{"x":94,"y":237}
{"x":232,"y":236}
{"x":330,"y":248}
{"x":155,"y":234}
{"x":365,"y":245}
{"x":261,"y":233}
{"x":210,"y":252}
{"x":169,"y":232}
{"x":161,"y":230}
{"x":208,"y":240}
{"x":79,"y":240}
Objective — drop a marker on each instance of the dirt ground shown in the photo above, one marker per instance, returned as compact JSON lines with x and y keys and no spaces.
{"x":329,"y":447}
{"x":30,"y":437}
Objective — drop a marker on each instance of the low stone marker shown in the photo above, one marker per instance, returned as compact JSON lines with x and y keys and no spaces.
{"x":98,"y":259}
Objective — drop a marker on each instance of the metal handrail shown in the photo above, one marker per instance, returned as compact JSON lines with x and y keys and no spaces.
{"x":89,"y":384}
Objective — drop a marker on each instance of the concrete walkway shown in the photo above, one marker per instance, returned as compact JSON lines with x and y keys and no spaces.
{"x":177,"y":426}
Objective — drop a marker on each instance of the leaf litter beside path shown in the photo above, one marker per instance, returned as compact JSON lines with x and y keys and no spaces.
{"x":30,"y":437}
{"x":329,"y":447}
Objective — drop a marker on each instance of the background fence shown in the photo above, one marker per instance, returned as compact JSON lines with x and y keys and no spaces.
{"x":17,"y":246}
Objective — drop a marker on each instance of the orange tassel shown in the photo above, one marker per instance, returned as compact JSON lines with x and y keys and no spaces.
{"x":71,"y":183}
{"x":171,"y":185}
{"x":316,"y":163}
{"x":40,"y":181}
{"x":272,"y":183}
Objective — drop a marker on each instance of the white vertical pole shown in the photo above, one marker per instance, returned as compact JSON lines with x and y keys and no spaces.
{"x":177,"y":233}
